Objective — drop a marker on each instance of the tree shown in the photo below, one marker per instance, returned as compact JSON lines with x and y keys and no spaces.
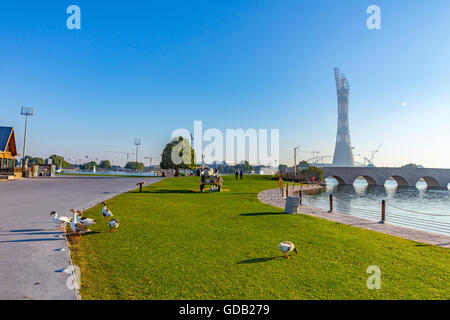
{"x":59,"y":161}
{"x":105,"y":164}
{"x":283,"y":168}
{"x":136,"y":166}
{"x":32,"y":161}
{"x":312,"y":171}
{"x":178,"y":154}
{"x":89,"y":166}
{"x":244,"y":167}
{"x":303,"y":164}
{"x":410,"y":165}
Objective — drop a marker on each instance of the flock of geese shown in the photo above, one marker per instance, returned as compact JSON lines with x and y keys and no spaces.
{"x":79,"y":224}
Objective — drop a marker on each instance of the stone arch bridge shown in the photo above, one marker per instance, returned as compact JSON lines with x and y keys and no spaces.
{"x":435,"y":178}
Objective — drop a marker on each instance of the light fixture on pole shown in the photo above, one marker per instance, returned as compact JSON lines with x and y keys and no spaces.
{"x":295,"y":163}
{"x":137,"y":143}
{"x":26,"y":111}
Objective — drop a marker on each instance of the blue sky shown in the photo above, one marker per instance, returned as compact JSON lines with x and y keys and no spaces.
{"x":145,"y":68}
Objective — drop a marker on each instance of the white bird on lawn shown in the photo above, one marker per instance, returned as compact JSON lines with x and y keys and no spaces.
{"x":59,"y":220}
{"x":113,"y":225}
{"x":76,"y":226}
{"x":286,"y":247}
{"x":86,"y":221}
{"x":106,"y":212}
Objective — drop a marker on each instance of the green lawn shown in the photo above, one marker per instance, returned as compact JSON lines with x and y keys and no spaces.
{"x":175,"y":243}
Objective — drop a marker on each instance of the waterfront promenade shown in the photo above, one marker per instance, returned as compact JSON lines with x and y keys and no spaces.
{"x":30,"y":245}
{"x":273,"y":197}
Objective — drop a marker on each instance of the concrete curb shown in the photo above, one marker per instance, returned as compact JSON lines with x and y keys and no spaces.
{"x":76,"y":291}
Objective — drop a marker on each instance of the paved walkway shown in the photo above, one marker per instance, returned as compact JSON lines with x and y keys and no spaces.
{"x":30,"y":255}
{"x":273,"y":198}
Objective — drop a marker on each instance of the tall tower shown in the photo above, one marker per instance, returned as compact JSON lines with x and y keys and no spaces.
{"x":343,"y":156}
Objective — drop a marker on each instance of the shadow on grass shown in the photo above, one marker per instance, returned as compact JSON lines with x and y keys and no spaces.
{"x":262,"y":214}
{"x":158,"y":191}
{"x":444,"y":245}
{"x":258,"y":260}
{"x":72,"y":235}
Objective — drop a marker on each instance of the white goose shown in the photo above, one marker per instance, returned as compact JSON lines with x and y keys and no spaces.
{"x":286,"y":247}
{"x":76,"y":226}
{"x":59,"y":220}
{"x":86,"y":221}
{"x":113,"y":225}
{"x":106,"y":212}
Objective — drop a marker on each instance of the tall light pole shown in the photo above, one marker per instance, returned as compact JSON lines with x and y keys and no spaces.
{"x":26,"y":111}
{"x":295,"y":162}
{"x":137,"y":143}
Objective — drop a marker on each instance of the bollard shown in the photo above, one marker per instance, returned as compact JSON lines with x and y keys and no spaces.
{"x":300,"y":197}
{"x":331,"y":203}
{"x":140,"y":185}
{"x":383,"y":211}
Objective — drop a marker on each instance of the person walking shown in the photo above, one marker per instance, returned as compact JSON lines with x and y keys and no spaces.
{"x":241,"y":174}
{"x":236,"y":173}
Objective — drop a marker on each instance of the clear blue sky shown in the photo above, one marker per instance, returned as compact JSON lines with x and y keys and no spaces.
{"x":145,"y":68}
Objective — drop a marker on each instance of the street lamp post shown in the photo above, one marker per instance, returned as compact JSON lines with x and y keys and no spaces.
{"x":295,"y":163}
{"x":26,"y":111}
{"x":137,"y":143}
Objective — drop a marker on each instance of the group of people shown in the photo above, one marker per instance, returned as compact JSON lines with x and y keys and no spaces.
{"x":239,"y":173}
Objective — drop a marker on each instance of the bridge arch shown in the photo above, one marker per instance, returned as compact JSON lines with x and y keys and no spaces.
{"x":432,"y":183}
{"x":370,"y":180}
{"x":337,"y":178}
{"x":401,"y":182}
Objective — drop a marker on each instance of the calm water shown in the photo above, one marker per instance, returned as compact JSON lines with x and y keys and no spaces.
{"x":418,"y":208}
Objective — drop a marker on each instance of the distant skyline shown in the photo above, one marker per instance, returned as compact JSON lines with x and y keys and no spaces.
{"x":143,"y":69}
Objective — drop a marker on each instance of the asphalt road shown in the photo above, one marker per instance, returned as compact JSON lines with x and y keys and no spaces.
{"x":30,"y":257}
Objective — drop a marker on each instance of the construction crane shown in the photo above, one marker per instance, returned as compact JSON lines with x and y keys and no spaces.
{"x":368,"y":161}
{"x":314,"y":153}
{"x":374,"y":153}
{"x":122,"y":152}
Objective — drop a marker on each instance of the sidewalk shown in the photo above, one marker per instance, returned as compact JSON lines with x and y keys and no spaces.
{"x":33,"y":253}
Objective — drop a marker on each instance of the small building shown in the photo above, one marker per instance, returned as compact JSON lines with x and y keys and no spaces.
{"x":8,"y":152}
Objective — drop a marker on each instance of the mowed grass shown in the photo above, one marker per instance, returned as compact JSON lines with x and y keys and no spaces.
{"x":176,"y":243}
